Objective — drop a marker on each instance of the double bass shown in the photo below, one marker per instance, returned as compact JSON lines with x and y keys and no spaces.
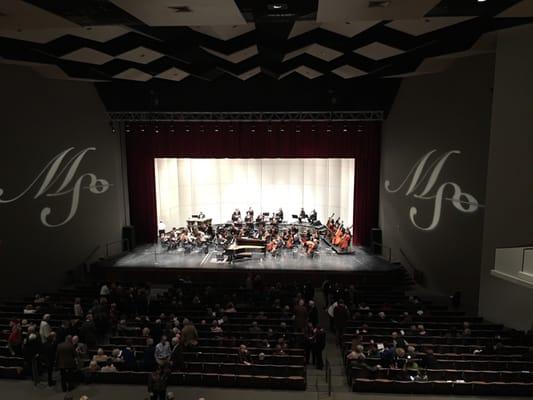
{"x":337,"y":238}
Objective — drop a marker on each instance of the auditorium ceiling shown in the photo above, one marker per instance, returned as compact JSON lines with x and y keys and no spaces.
{"x":186,"y":41}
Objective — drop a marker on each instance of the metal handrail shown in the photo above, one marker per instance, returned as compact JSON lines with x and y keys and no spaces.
{"x":415,"y":273}
{"x":327,"y":366}
{"x":524,"y":255}
{"x":154,"y":116}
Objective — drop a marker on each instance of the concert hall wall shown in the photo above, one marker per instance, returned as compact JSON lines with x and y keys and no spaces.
{"x":358,"y":140}
{"x":439,"y":113}
{"x":509,"y":214}
{"x":42,"y":118}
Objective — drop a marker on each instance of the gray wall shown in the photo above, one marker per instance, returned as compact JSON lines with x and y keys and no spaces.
{"x":41,"y":118}
{"x":446,"y":111}
{"x":509,"y":213}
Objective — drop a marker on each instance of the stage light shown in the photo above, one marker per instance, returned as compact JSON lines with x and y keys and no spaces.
{"x":127,"y":128}
{"x":298,"y":129}
{"x":282,"y":130}
{"x":253,"y":129}
{"x":172,"y":129}
{"x":142,"y":128}
{"x":156,"y":129}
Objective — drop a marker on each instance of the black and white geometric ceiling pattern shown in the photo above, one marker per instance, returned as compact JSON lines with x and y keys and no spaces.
{"x":173,"y":40}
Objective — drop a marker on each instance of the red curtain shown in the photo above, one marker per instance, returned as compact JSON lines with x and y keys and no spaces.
{"x":294,"y":139}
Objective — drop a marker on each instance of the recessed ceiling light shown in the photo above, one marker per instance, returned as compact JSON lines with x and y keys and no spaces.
{"x":277,"y":6}
{"x":181,"y":9}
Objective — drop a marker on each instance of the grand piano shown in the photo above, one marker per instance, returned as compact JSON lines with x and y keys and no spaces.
{"x":244,"y":248}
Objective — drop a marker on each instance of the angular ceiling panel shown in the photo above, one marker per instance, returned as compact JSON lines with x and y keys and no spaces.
{"x":183,"y":12}
{"x":224,"y":32}
{"x":378,"y":51}
{"x":361,"y":10}
{"x":421,"y":26}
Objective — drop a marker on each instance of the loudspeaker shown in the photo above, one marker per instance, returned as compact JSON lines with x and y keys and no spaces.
{"x":376,"y":237}
{"x":128,"y":237}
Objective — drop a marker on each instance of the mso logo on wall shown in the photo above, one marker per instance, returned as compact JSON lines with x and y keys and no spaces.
{"x":59,"y":178}
{"x":421,"y":183}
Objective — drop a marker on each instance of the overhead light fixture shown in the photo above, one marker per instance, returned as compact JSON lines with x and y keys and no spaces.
{"x":379,"y":3}
{"x":181,"y":9}
{"x":277,"y":6}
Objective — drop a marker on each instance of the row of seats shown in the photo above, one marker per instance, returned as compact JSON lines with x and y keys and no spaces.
{"x":443,"y":387}
{"x":443,"y":375}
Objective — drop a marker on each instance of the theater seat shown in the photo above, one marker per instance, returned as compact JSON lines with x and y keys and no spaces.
{"x":296,"y":383}
{"x":227,"y":380}
{"x":210,"y":379}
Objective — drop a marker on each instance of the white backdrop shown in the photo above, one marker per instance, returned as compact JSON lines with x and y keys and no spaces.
{"x":186,"y":186}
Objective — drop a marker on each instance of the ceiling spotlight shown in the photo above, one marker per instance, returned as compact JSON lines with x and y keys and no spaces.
{"x":379,"y":3}
{"x":481,"y":1}
{"x":142,"y":128}
{"x":172,"y":129}
{"x":277,"y":6}
{"x":156,"y":129}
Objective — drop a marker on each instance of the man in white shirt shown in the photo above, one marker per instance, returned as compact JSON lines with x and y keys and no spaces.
{"x":161,"y":228}
{"x":44,"y":328}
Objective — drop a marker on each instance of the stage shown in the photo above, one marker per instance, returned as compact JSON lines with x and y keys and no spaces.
{"x":326,"y":259}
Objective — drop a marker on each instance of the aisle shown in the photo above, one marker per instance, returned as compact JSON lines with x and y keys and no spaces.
{"x":316,"y":381}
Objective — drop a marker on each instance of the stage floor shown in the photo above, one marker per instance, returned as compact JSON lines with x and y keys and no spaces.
{"x":291,"y":260}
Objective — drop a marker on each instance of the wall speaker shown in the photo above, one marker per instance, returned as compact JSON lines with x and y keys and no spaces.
{"x":377,"y":240}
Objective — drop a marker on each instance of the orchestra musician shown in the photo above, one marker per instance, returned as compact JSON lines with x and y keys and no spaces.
{"x":161,"y":229}
{"x":313,"y":216}
{"x":249,"y":215}
{"x":236,"y":216}
{"x":302,"y":215}
{"x":346,"y":239}
{"x":201,"y":215}
{"x":279,"y":215}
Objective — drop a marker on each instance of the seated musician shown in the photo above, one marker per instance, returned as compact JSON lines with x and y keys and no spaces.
{"x":302,"y":215}
{"x":236,"y":216}
{"x":346,"y":239}
{"x":201,"y":215}
{"x":279,"y":215}
{"x":249,"y":215}
{"x":313,"y":216}
{"x":173,"y":239}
